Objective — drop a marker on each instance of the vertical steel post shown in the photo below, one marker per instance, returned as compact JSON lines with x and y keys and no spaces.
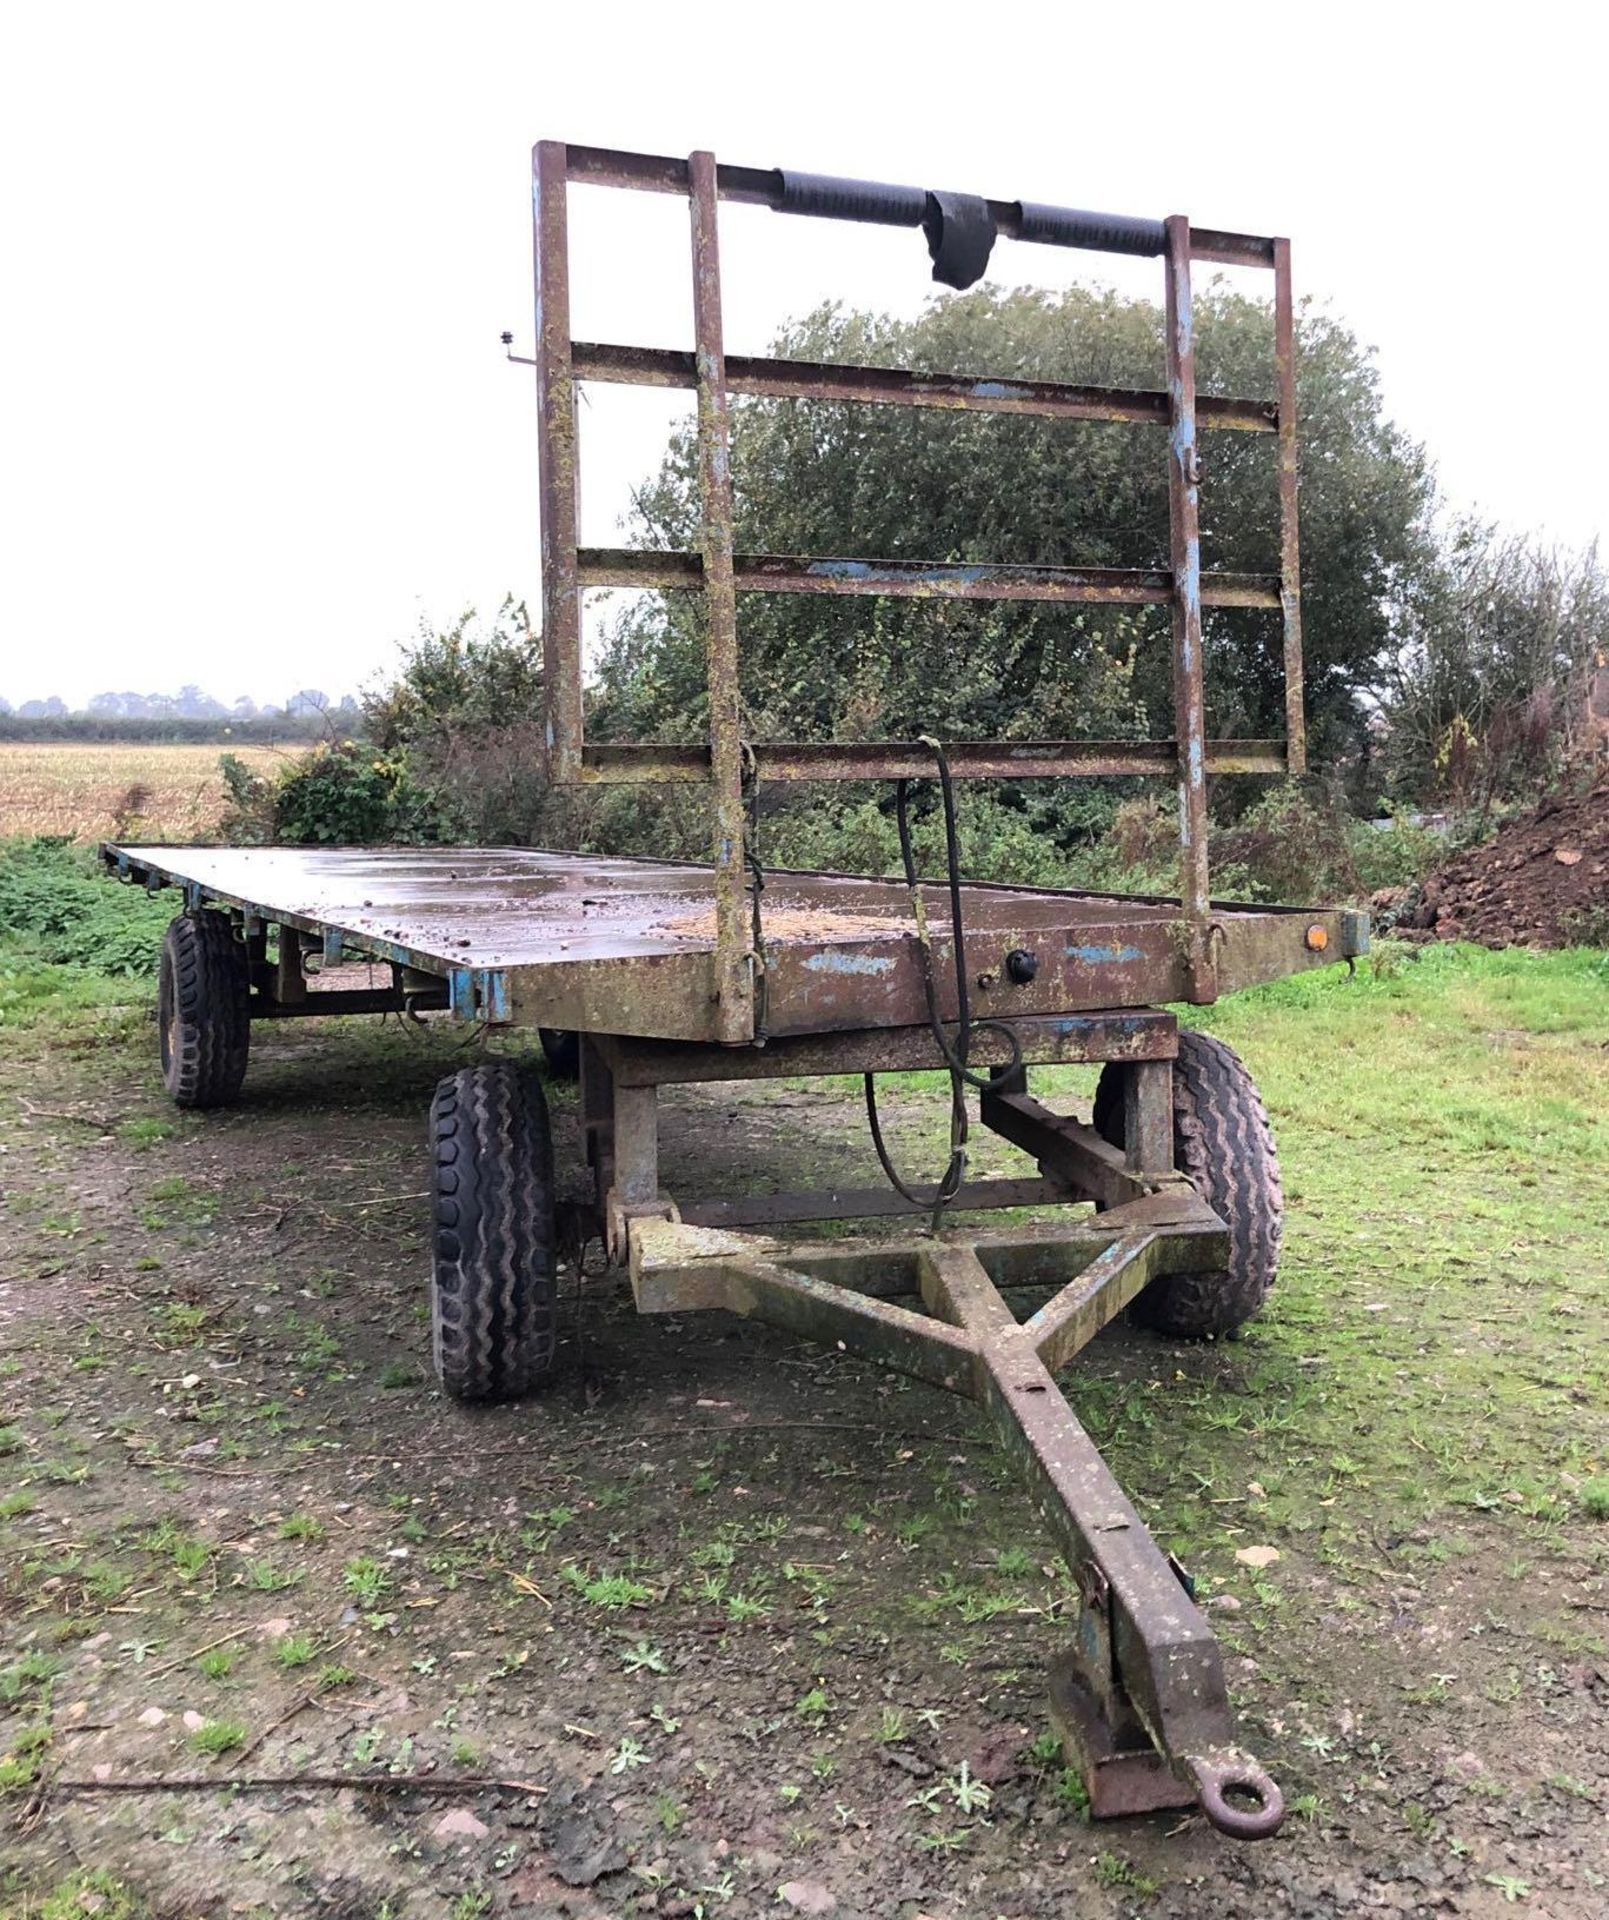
{"x":734,"y":971}
{"x":290,"y":982}
{"x":1290,"y":561}
{"x":556,"y":455}
{"x":1184,"y":529}
{"x":636,"y":1144}
{"x":1148,"y":1116}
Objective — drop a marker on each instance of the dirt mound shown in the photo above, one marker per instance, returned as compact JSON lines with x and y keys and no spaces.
{"x":1541,"y":881}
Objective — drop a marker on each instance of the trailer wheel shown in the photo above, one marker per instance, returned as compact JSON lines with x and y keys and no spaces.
{"x":493,"y":1298}
{"x":1222,"y":1140}
{"x":203,"y":1010}
{"x":563,"y":1051}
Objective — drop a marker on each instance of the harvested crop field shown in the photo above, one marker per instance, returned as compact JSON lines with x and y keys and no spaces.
{"x":724,"y":1616}
{"x":90,"y":790}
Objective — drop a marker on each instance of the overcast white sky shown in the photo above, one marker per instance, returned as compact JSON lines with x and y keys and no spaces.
{"x":255,"y":420}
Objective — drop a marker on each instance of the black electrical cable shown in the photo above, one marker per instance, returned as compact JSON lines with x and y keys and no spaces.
{"x":956,"y":1057}
{"x":751,"y":851}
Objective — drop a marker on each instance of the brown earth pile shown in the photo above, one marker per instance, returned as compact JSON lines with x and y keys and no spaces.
{"x":1541,"y":881}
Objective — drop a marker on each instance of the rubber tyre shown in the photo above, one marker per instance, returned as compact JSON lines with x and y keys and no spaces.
{"x":203,"y":1010}
{"x":494,"y":1286}
{"x":563,"y":1050}
{"x":1222,"y":1140}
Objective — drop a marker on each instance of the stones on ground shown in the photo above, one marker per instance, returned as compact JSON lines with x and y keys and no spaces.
{"x":807,"y":1896}
{"x":582,"y":1841}
{"x":459,"y":1824}
{"x":1257,"y":1556}
{"x":994,"y":1758}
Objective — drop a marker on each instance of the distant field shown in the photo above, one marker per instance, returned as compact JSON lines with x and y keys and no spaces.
{"x":95,"y":791}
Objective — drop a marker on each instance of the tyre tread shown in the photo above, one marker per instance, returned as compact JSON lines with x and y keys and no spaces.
{"x":1223,"y":1140}
{"x":494,"y":1287}
{"x":206,"y":985}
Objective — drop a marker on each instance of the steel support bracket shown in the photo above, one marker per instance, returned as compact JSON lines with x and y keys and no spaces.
{"x":619,"y":1214}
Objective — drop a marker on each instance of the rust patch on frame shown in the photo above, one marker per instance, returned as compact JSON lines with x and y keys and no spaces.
{"x":734,"y":963}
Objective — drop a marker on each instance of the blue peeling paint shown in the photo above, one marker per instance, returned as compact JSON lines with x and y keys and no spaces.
{"x":921,"y":576}
{"x":478,"y":993}
{"x":997,"y":390}
{"x":830,"y":960}
{"x":1080,"y":1025}
{"x":1113,"y":956}
{"x":1192,"y":574}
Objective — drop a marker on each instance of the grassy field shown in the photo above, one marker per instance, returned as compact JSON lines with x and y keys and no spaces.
{"x":744,"y":1615}
{"x":93,"y":791}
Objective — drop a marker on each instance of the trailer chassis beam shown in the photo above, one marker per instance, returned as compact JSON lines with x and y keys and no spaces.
{"x":1140,"y":1697}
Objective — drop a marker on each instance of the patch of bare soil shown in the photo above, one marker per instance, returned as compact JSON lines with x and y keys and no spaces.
{"x":1541,"y":881}
{"x":723,"y":1625}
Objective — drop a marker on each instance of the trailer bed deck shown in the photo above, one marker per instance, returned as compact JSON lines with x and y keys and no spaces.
{"x":611,"y":945}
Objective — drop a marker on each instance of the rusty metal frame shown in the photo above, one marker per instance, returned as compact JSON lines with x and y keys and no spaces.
{"x":569,"y":570}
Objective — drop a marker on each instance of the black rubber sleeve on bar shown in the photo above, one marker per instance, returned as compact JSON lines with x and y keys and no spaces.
{"x":960,"y":233}
{"x":1104,"y":232}
{"x":873,"y":200}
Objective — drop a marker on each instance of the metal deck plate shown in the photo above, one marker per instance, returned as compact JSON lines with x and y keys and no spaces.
{"x":612,"y":945}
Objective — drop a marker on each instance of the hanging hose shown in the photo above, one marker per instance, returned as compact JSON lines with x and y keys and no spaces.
{"x":956,"y":1057}
{"x":751,"y":853}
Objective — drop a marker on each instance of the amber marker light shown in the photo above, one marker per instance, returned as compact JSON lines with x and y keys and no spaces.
{"x":1317,"y":938}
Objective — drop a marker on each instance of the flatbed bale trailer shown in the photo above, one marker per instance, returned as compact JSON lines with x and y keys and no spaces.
{"x":648,"y":974}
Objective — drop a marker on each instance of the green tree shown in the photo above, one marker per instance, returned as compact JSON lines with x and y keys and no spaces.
{"x":885,"y":482}
{"x":466,"y":679}
{"x":465,"y":714}
{"x":1485,"y":697}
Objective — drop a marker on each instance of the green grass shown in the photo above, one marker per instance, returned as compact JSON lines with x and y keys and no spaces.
{"x":92,"y":1890}
{"x":33,"y":1672}
{"x":218,"y":1736}
{"x":74,"y":947}
{"x":366,"y":1579}
{"x":1430,"y":1353}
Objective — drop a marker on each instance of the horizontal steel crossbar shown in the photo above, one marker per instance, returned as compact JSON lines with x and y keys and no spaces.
{"x":762,"y":187}
{"x":900,"y":386}
{"x":873,"y":1203}
{"x":626,"y":762}
{"x":675,"y":571}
